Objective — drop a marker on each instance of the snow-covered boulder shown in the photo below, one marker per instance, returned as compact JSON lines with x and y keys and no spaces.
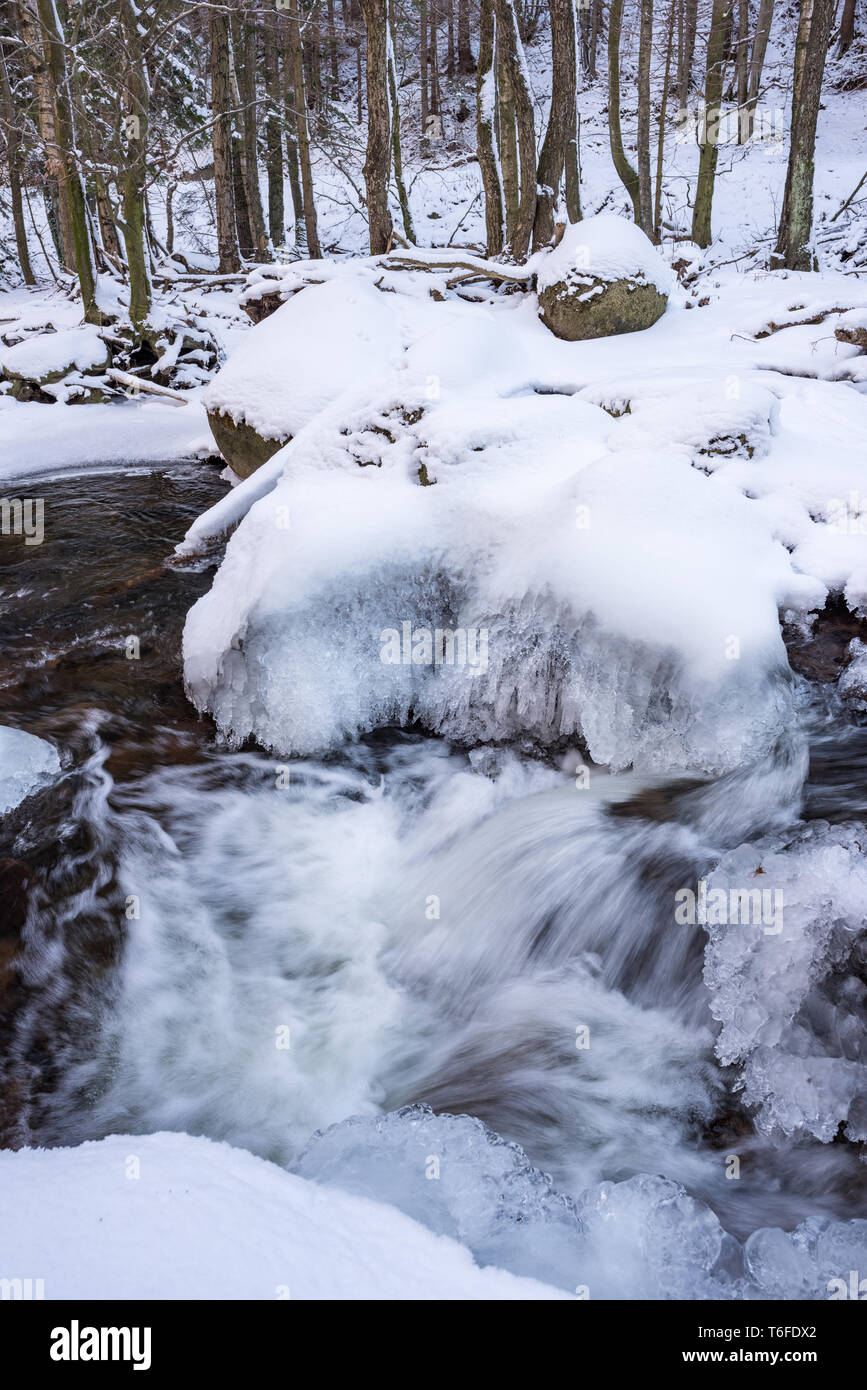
{"x":324,"y":340}
{"x":605,"y":277}
{"x":46,"y":359}
{"x":852,"y":328}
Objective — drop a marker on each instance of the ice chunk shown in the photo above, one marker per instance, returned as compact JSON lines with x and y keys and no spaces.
{"x":26,"y":762}
{"x":457,"y":1177}
{"x":787,"y":983}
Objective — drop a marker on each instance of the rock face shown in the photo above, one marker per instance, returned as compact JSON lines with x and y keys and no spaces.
{"x":243,"y":449}
{"x":605,"y":277}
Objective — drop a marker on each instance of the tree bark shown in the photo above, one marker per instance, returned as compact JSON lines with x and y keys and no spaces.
{"x":515,"y":97}
{"x":486,"y":135}
{"x":273,"y":140}
{"x":466,"y":61}
{"x":645,"y":44}
{"x":757,"y":60}
{"x":302,"y":135}
{"x":13,"y":159}
{"x":561,"y":120}
{"x":63,"y":157}
{"x":687,"y":51}
{"x":793,"y":248}
{"x":378,"y":159}
{"x":625,"y":171}
{"x":716,"y":61}
{"x":660,"y":143}
{"x":394,"y":112}
{"x":221,"y":140}
{"x":244,"y":42}
{"x":741,"y":70}
{"x":134,"y":175}
{"x":847,"y":26}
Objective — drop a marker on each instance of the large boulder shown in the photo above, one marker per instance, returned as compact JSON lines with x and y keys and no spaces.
{"x":605,"y":277}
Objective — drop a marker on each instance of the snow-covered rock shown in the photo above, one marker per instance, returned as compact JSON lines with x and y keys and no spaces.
{"x":326,"y":339}
{"x":605,"y":277}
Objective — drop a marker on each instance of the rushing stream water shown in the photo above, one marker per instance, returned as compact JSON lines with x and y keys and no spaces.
{"x":211,"y":940}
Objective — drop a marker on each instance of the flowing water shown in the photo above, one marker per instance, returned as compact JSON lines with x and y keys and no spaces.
{"x":212,"y":940}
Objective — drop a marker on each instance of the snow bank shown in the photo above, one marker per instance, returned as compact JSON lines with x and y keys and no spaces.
{"x":38,"y":438}
{"x":26,"y":762}
{"x":167,"y":1216}
{"x":604,"y":248}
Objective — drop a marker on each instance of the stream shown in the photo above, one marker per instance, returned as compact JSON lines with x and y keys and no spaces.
{"x":211,"y":939}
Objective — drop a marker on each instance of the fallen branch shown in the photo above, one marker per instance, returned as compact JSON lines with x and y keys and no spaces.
{"x":126,"y":379}
{"x":488,"y":270}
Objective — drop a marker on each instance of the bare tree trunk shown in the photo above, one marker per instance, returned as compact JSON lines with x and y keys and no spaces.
{"x":35,"y":53}
{"x":687,"y":51}
{"x":292,"y":158}
{"x":625,"y":171}
{"x":273,"y":140}
{"x":517,"y":105}
{"x":397,"y":158}
{"x":433,"y":58}
{"x":741,"y":70}
{"x":378,"y":160}
{"x":13,"y":159}
{"x":645,"y":45}
{"x":794,"y":236}
{"x":847,"y":26}
{"x":595,"y":28}
{"x":466,"y":61}
{"x":425,"y":106}
{"x":757,"y":60}
{"x":486,"y":136}
{"x":573,"y":171}
{"x":63,"y":156}
{"x":136,"y":101}
{"x":332,"y":49}
{"x":660,"y":143}
{"x":302,"y":135}
{"x":244,"y":38}
{"x":221,"y":139}
{"x":450,"y":38}
{"x":561,"y":121}
{"x":716,"y":61}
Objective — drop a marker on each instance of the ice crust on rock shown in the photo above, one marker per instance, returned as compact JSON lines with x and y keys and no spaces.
{"x":26,"y":762}
{"x":792,"y":1002}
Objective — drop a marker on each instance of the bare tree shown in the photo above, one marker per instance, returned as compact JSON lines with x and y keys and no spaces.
{"x":794,"y":235}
